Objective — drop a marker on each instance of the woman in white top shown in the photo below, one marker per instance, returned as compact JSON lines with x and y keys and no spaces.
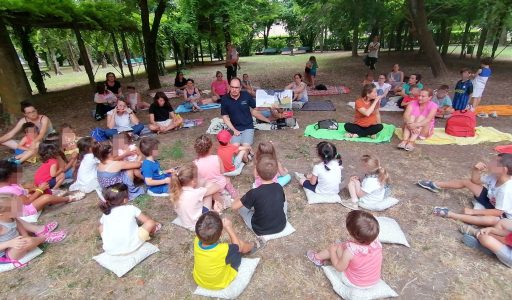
{"x":299,"y":88}
{"x":373,"y":52}
{"x":396,"y":77}
{"x":122,"y":119}
{"x":383,"y":89}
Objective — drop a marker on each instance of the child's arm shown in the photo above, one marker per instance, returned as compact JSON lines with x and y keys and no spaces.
{"x":237,"y":204}
{"x":492,"y":230}
{"x":144,"y":219}
{"x":339,"y":260}
{"x":18,"y":242}
{"x":312,"y":178}
{"x":476,"y":173}
{"x":229,"y":229}
{"x":221,"y":165}
{"x":21,"y":144}
{"x":27,"y":199}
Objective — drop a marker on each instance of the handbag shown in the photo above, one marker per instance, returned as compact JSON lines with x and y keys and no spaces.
{"x":329,"y":124}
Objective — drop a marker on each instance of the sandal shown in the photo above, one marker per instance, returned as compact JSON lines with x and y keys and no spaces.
{"x":48,"y":228}
{"x":259,"y":244}
{"x":76,"y":196}
{"x":440,"y":211}
{"x":55,"y":237}
{"x":311,"y":255}
{"x":468,"y":229}
{"x":158,"y":227}
{"x":409,"y":147}
{"x":402,"y":145}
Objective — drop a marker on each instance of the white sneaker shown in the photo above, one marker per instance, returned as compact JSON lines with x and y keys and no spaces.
{"x":494,"y":114}
{"x":76,"y":196}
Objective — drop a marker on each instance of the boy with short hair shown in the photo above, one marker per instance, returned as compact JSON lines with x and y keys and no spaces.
{"x":232,"y":156}
{"x":156,"y":179}
{"x":493,"y":191}
{"x":463,"y":90}
{"x":443,"y":101}
{"x":31,"y":131}
{"x":264,"y":209}
{"x":216,"y":264}
{"x":414,"y":95}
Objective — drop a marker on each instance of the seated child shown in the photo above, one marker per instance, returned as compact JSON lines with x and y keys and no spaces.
{"x":232,"y":156}
{"x":360,"y":258}
{"x":497,"y":239}
{"x":156,"y":179}
{"x":282,"y":177}
{"x":210,"y":168}
{"x":369,"y":78}
{"x":493,"y":191}
{"x":68,"y":140}
{"x":18,"y":237}
{"x":372,"y":188}
{"x":326,"y":176}
{"x":87,"y":166}
{"x":33,"y":200}
{"x":31,"y":132}
{"x":49,"y":172}
{"x":66,"y":162}
{"x":247,"y":85}
{"x":188,"y":196}
{"x":134,"y":100}
{"x":414,"y":95}
{"x":264,"y":209}
{"x":443,"y":101}
{"x":126,"y":150}
{"x":216,"y":264}
{"x":119,"y":229}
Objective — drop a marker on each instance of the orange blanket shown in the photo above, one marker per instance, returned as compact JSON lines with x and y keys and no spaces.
{"x":501,"y":110}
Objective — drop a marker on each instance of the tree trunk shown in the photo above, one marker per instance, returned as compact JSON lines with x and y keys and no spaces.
{"x":210,"y":49}
{"x":266,"y":33}
{"x":150,"y":35}
{"x":419,"y":16}
{"x":72,"y":57}
{"x":446,"y":40}
{"x":84,"y":55}
{"x":143,"y":53}
{"x":391,"y":39}
{"x":201,"y":50}
{"x":497,"y":35}
{"x":225,"y":28}
{"x":14,"y":86}
{"x":399,"y":34}
{"x":117,"y":54}
{"x":103,"y":61}
{"x":481,"y":41}
{"x":441,"y":34}
{"x":127,"y":56}
{"x":219,"y":52}
{"x":465,"y":39}
{"x":355,"y":38}
{"x":31,"y":57}
{"x":53,"y":61}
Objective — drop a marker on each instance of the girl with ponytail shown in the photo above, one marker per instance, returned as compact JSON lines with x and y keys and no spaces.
{"x":119,"y":230}
{"x":372,"y":188}
{"x":191,"y":200}
{"x":326,"y":176}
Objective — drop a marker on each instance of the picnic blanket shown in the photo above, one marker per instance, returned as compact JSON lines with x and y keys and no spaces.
{"x":504,"y":149}
{"x":483,"y":135}
{"x":390,"y":106}
{"x":169,"y":94}
{"x":501,"y":110}
{"x":331,"y":90}
{"x":188,"y":123}
{"x":318,"y":105}
{"x":325,"y":134}
{"x":183,"y":108}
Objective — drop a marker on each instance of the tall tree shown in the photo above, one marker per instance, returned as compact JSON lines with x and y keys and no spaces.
{"x":424,"y":35}
{"x":150,"y":35}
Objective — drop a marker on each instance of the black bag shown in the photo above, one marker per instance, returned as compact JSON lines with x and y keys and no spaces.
{"x":330,"y":124}
{"x":366,"y":60}
{"x":320,"y":87}
{"x":286,"y":123}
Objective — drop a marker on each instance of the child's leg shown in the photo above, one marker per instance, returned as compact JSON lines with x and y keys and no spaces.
{"x":354,"y":188}
{"x":244,"y":246}
{"x":129,"y":173}
{"x":138,"y":174}
{"x":59,"y":180}
{"x":475,"y":101}
{"x":490,"y":242}
{"x":476,"y":189}
{"x":504,"y":224}
{"x":325,"y":254}
{"x":149,"y":225}
{"x":41,"y":202}
{"x":487,"y":221}
{"x":31,"y":243}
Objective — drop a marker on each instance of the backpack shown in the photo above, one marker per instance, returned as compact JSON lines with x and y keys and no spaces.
{"x":99,"y":135}
{"x":330,"y":124}
{"x":321,"y":87}
{"x":462,"y":123}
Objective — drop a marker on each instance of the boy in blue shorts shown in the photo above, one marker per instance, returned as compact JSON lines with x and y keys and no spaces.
{"x":156,"y":179}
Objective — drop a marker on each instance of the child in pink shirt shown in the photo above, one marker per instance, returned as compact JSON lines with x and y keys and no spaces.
{"x":359,"y":259}
{"x":210,"y":169}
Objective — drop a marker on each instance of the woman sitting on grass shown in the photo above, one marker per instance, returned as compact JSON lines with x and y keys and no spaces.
{"x":367,"y":116}
{"x":161,"y":115}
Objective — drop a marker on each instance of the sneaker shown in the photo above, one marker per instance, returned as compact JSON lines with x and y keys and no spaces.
{"x":55,"y":237}
{"x":494,"y":114}
{"x":259,"y":244}
{"x":482,"y":115}
{"x":468,"y":229}
{"x":472,"y":242}
{"x":299,"y":176}
{"x":429,"y":185}
{"x":349,"y":204}
{"x":311,"y":255}
{"x":76,"y":196}
{"x":440,"y":211}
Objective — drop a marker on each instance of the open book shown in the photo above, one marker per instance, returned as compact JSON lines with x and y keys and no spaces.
{"x":274,"y":98}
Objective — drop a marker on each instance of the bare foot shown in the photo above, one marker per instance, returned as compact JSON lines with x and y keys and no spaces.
{"x":373,"y":136}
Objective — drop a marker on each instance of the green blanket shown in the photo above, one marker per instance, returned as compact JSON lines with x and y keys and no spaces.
{"x":325,"y":134}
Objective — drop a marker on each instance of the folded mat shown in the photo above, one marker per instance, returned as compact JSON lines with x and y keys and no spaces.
{"x":483,"y":135}
{"x":318,"y":105}
{"x":504,"y":149}
{"x":390,"y":106}
{"x":331,"y":90}
{"x":501,"y":110}
{"x":188,"y":123}
{"x":169,"y":94}
{"x":182,"y":108}
{"x":325,"y":134}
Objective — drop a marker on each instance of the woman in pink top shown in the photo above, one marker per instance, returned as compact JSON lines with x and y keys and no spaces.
{"x":419,"y":119}
{"x":210,"y":168}
{"x":219,"y":87}
{"x":360,"y":259}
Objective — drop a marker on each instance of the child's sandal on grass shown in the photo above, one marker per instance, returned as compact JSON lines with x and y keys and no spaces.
{"x":440,"y":211}
{"x":259,"y":244}
{"x":50,"y":227}
{"x":55,"y":237}
{"x":409,"y":147}
{"x":311,"y":255}
{"x":402,"y":145}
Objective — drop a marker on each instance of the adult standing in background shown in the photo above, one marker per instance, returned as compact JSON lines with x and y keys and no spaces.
{"x":373,"y":53}
{"x":231,"y":61}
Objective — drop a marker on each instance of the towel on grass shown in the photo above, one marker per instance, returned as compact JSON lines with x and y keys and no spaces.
{"x":325,"y":134}
{"x":184,"y":108}
{"x":501,"y":110}
{"x":331,"y":90}
{"x":483,"y":135}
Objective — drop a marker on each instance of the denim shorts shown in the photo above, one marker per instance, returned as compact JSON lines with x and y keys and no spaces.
{"x":505,"y":255}
{"x":245,"y":137}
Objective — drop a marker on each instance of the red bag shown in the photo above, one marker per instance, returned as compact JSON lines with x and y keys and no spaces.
{"x":462,"y":123}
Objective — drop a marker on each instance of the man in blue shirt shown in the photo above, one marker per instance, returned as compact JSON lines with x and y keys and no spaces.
{"x":237,"y":109}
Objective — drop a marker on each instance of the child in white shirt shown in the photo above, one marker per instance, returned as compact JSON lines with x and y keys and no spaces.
{"x":87,"y":166}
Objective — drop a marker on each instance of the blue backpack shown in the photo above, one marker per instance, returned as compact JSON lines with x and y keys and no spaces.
{"x":99,"y":134}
